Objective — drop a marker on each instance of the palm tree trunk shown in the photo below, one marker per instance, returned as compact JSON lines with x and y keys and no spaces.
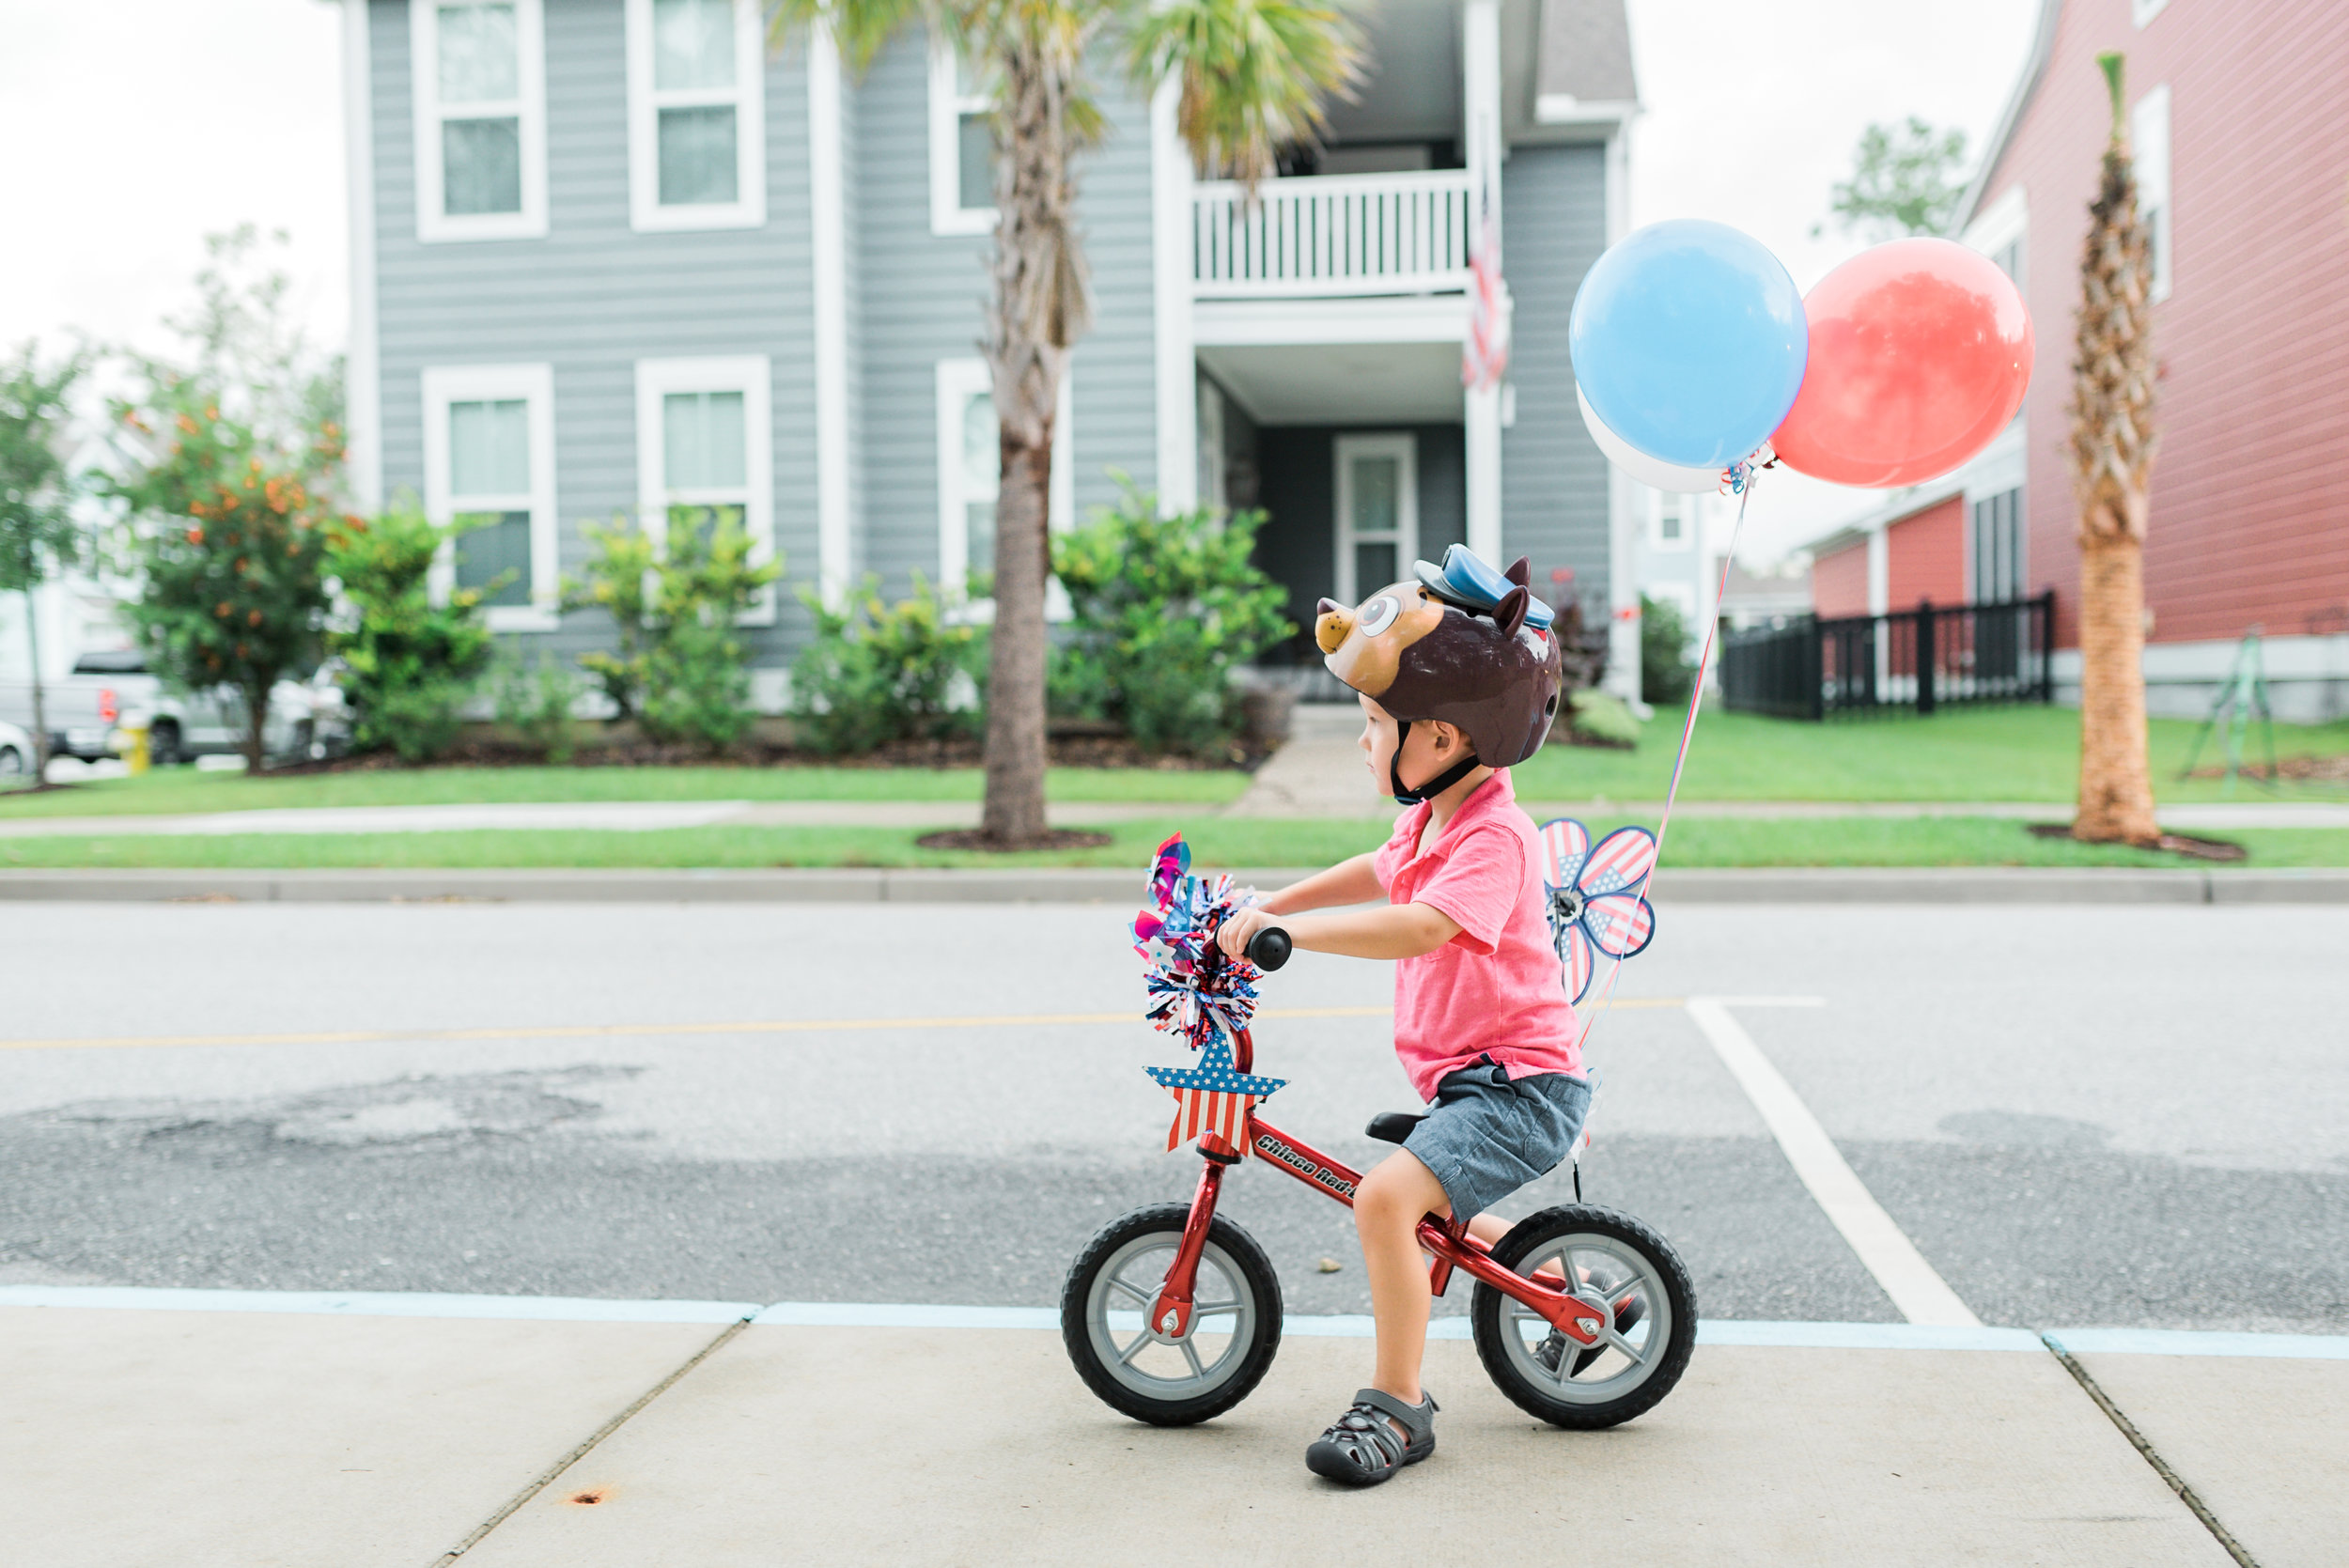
{"x":1040,"y":308}
{"x":41,"y":712}
{"x":2116,"y":804}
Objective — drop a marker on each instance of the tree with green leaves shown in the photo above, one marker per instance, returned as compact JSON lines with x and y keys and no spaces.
{"x":37,"y":534}
{"x":1906,"y":180}
{"x":231,"y":535}
{"x":1252,"y":77}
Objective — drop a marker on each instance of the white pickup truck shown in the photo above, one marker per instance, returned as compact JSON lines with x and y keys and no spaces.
{"x":108,"y":688}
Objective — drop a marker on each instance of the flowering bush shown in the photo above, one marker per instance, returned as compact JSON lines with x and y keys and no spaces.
{"x":876,"y":673}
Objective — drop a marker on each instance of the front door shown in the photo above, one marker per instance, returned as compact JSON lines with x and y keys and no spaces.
{"x":1377,"y":507}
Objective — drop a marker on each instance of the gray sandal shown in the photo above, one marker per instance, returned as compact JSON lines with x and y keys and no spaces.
{"x":1363,"y":1447}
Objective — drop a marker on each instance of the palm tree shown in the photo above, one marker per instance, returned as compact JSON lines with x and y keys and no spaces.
{"x":1252,"y":77}
{"x":2112,"y":451}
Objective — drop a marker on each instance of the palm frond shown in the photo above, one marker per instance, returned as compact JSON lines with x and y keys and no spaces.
{"x":1255,"y":75}
{"x":858,"y":27}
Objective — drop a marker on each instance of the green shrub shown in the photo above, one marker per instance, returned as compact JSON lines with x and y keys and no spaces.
{"x":1166,"y":608}
{"x":534,"y":701}
{"x":1665,"y":673}
{"x":877,"y":672}
{"x":410,"y":663}
{"x":1596,"y":718}
{"x":680,"y":669}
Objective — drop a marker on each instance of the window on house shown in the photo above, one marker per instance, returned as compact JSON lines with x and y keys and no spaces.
{"x":1999,"y":548}
{"x":970,"y":465}
{"x":962,"y":146}
{"x":480,"y":97}
{"x":1377,"y":507}
{"x":2148,"y":146}
{"x":697,"y":115}
{"x":705,"y":448}
{"x":489,"y":456}
{"x":1675,"y":521}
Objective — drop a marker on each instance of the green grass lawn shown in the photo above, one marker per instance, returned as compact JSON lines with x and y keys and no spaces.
{"x":1216,"y":842}
{"x":2011,"y":753}
{"x":173,"y":791}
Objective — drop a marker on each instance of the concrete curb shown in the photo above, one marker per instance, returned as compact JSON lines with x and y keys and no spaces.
{"x":1761,"y":885}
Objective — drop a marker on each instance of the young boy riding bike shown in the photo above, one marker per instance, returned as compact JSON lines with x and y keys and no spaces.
{"x":1456,"y":687}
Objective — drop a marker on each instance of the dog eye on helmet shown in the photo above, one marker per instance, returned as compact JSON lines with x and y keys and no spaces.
{"x":1379,"y":614}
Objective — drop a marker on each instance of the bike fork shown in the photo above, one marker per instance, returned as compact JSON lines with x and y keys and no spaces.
{"x":1170,"y":1314}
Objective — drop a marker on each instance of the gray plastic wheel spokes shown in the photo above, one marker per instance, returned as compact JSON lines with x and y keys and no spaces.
{"x":1228,"y":1297}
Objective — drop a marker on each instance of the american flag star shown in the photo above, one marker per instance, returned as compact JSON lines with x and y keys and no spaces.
{"x":1214,"y":1096}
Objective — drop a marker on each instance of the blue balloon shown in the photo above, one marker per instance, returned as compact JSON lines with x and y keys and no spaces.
{"x":1689,"y":339}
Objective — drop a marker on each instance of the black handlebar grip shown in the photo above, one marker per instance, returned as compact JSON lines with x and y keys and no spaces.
{"x":1269,"y":948}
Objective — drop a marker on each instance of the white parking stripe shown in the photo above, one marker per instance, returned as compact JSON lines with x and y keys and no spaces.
{"x":1921,"y":1296}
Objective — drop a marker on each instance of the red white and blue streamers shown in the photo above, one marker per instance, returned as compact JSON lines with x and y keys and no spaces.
{"x":1597,"y":896}
{"x":1196,"y":991}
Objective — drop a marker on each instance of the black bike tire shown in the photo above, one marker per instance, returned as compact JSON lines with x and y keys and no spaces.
{"x":1169,"y":1218}
{"x":1485,"y":1312}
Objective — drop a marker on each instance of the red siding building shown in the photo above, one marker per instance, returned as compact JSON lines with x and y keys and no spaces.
{"x":2239,"y":115}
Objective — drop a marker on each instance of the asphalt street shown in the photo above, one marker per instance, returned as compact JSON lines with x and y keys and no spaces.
{"x":2112,"y":1116}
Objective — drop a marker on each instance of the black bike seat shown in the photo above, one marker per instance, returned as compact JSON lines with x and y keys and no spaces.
{"x":1393,"y":1126}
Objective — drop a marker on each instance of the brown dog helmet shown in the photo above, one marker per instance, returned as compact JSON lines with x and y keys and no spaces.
{"x":1424,"y":657}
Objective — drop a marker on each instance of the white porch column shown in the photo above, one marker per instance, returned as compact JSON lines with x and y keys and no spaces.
{"x":363,"y":392}
{"x":829,"y":244}
{"x":1479,"y":58}
{"x":1171,"y":284}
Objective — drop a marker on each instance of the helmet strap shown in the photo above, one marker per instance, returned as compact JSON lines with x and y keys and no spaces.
{"x":1433,"y":786}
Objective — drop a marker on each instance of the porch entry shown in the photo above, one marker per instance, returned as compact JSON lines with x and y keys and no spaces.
{"x":1377,"y":486}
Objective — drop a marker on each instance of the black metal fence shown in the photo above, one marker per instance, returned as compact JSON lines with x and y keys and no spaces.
{"x":1974,"y":655}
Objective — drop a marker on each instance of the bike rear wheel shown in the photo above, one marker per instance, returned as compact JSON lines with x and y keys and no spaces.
{"x":1638,"y":1363}
{"x":1235,"y":1328}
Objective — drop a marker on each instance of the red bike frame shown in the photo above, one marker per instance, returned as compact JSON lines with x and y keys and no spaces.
{"x":1447,"y":1242}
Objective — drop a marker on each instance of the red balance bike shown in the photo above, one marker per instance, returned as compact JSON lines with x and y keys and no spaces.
{"x":1584,"y":1316}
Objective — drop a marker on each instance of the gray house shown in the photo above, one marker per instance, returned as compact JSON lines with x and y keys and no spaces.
{"x":611,"y":256}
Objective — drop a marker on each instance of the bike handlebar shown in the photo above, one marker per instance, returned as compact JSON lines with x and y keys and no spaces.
{"x":1269,"y":948}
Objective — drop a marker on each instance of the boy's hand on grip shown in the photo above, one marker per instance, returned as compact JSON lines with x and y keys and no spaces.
{"x":1232,"y":936}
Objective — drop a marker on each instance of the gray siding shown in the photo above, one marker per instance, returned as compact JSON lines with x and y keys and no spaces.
{"x":1553,"y":478}
{"x":592,"y":297}
{"x":924,"y":298}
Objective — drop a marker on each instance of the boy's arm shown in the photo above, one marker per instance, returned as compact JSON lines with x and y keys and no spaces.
{"x":1387,"y":931}
{"x":1351,"y":881}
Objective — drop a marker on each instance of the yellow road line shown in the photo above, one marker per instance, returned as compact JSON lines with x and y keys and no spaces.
{"x":595,"y":1031}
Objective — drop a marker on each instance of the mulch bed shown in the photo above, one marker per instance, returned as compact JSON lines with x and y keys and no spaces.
{"x":2291,"y":769}
{"x":971,"y":838}
{"x":2218,"y":850}
{"x":1071,"y":751}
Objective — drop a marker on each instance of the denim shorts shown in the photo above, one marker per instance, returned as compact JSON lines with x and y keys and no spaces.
{"x":1487,"y":1135}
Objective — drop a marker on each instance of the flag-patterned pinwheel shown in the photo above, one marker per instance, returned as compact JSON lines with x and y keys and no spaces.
{"x":1596,"y":903}
{"x":1214,"y":1096}
{"x":1194,"y":993}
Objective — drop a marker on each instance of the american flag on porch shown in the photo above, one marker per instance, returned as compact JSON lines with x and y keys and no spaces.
{"x":1214,"y":1096}
{"x":1485,"y":357}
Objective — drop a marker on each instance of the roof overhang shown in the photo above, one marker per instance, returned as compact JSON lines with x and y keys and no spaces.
{"x":2034,"y":67}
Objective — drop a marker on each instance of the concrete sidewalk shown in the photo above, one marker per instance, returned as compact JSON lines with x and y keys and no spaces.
{"x":355,"y":1431}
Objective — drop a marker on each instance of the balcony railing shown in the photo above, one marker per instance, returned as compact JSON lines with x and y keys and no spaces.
{"x":1332,"y":234}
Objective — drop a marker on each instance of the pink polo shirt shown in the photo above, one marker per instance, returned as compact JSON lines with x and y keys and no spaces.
{"x":1493,"y":989}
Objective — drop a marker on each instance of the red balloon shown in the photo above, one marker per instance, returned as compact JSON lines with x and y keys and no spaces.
{"x":1919,"y":354}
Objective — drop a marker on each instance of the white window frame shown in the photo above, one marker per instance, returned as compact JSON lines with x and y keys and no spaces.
{"x":751,"y":375}
{"x":1690,"y":511}
{"x":958,"y":381}
{"x":747,"y":98}
{"x":2142,"y":11}
{"x":1404,"y":447}
{"x":433,"y":225}
{"x":2005,"y":222}
{"x":948,"y":105}
{"x":2149,"y":148}
{"x":470,"y":384}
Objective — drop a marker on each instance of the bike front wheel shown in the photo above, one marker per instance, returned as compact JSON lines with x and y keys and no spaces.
{"x":1234,"y":1327}
{"x":1616,"y":1262}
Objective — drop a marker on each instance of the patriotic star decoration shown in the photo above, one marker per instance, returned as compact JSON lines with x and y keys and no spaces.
{"x":1213,"y":1096}
{"x":1597,"y":896}
{"x":1195,"y":990}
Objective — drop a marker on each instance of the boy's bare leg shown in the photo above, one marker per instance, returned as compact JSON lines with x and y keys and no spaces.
{"x":1387,"y":1211}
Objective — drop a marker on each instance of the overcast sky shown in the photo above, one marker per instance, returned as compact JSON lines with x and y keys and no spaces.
{"x":137,"y":126}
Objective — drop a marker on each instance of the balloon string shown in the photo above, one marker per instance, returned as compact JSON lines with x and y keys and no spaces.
{"x":1743,"y":478}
